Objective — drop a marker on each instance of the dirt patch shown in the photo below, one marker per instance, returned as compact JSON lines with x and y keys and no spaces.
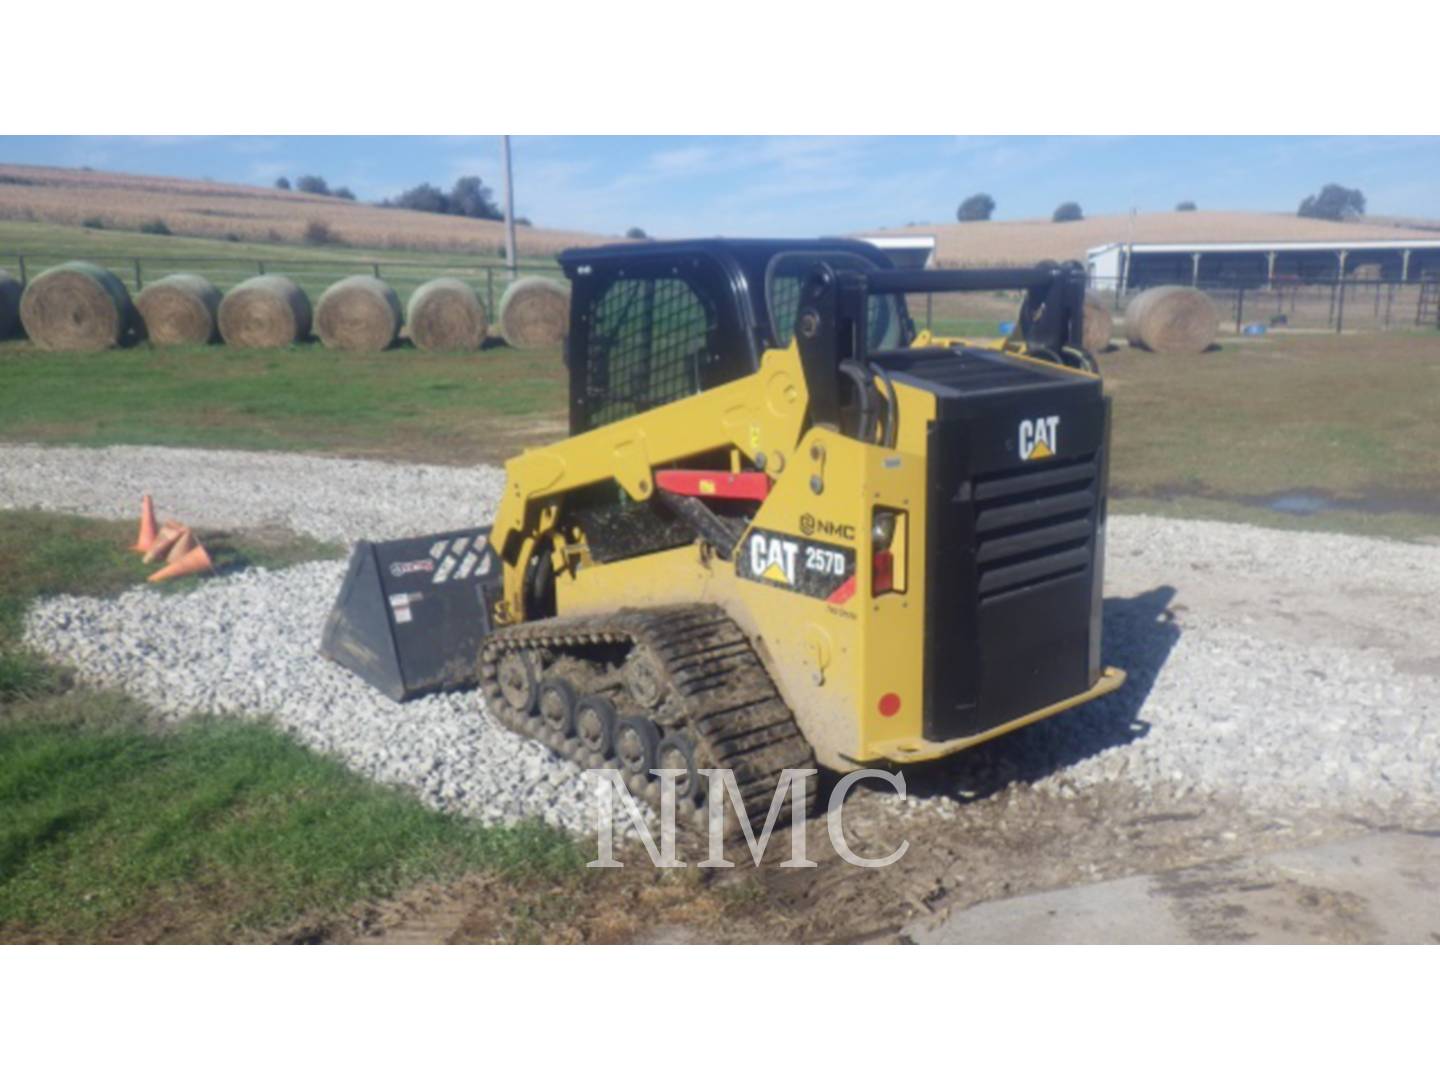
{"x":1016,"y":842}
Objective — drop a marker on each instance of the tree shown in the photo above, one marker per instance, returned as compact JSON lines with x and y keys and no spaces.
{"x":471,"y":198}
{"x":1068,"y":211}
{"x":313,"y":185}
{"x":283,"y":184}
{"x":635,"y":233}
{"x":426,"y":198}
{"x":343,"y":193}
{"x":976,"y":208}
{"x":1185,"y":206}
{"x":1334,"y":203}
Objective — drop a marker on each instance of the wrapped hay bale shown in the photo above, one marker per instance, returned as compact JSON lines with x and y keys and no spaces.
{"x":1098,"y":326}
{"x":77,"y":306}
{"x":359,"y":313}
{"x":1172,"y":318}
{"x":265,"y":312}
{"x":181,"y":309}
{"x":9,"y":305}
{"x":535,"y":313}
{"x":446,"y":314}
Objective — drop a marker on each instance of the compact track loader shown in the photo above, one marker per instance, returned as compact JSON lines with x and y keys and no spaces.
{"x":786,"y":528}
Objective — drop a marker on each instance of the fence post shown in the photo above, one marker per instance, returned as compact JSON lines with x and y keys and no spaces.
{"x":929,"y":309}
{"x":1389,"y":302}
{"x":139,"y":281}
{"x":23,"y":278}
{"x":1340,"y":309}
{"x":490,"y":290}
{"x":1239,"y":307}
{"x":376,"y":268}
{"x":260,"y":266}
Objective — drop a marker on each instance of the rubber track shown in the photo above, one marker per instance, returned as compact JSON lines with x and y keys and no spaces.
{"x":716,"y":686}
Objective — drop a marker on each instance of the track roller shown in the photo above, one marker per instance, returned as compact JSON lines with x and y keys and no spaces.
{"x":595,"y":724}
{"x":557,"y":699}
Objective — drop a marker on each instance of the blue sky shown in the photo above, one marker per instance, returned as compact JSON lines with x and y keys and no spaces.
{"x":799,"y":185}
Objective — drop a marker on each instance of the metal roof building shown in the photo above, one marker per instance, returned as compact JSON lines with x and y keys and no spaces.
{"x":1136,"y":266}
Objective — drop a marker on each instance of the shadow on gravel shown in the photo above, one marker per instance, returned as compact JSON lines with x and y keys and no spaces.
{"x":1139,"y":633}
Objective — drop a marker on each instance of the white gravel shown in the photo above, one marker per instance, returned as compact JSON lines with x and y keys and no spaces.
{"x":328,"y":498}
{"x":1290,"y":670}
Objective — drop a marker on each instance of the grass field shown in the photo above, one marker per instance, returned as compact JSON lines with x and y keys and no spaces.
{"x":1346,"y":418}
{"x":400,"y":403}
{"x":114,"y":827}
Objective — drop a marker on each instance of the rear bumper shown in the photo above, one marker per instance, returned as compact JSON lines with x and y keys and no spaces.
{"x":909,"y":751}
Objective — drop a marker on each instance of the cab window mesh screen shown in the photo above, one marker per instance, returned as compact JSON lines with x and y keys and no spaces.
{"x":784,"y":300}
{"x":649,"y":341}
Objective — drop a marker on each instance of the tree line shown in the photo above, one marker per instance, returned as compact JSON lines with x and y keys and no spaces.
{"x":467,"y":197}
{"x":1334,"y":202}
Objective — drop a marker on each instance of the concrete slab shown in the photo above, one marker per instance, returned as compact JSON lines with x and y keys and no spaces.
{"x":1380,"y":888}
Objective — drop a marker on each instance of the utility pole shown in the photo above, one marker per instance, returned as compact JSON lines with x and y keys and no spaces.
{"x":509,"y":207}
{"x":1129,"y":257}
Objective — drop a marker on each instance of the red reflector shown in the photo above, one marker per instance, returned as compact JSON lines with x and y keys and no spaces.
{"x":889,"y":704}
{"x":882,"y":573}
{"x":714,"y":483}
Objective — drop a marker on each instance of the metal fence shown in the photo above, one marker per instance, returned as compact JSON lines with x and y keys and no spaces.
{"x":488,"y":276}
{"x":1334,"y":305}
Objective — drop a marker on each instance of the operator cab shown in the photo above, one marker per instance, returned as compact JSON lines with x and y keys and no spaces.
{"x":653,"y":323}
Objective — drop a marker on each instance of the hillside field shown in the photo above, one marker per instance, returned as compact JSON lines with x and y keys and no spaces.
{"x":204,"y":208}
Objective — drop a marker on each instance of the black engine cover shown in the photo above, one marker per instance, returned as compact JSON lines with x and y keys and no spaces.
{"x":1017,"y":487}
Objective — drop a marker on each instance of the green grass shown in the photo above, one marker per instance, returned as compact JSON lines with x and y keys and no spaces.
{"x":113,"y":827}
{"x":399,"y":403}
{"x":1348,"y":417}
{"x":211,"y":831}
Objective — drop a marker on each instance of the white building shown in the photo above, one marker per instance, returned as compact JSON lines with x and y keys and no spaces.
{"x":1136,"y":266}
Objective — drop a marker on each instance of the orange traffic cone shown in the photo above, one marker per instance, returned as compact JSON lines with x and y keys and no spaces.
{"x":169,"y":533}
{"x":197,"y":561}
{"x":147,"y":525}
{"x":184,"y":544}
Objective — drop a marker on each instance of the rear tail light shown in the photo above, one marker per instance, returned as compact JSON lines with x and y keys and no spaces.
{"x":888,"y":545}
{"x":882,"y":573}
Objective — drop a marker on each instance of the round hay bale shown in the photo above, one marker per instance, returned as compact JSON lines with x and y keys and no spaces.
{"x":9,"y":304}
{"x":360,"y":313}
{"x":265,"y":312}
{"x":1172,"y":319}
{"x":535,"y":313}
{"x":446,"y":314}
{"x":77,"y":306}
{"x":1099,"y":325}
{"x":181,"y":309}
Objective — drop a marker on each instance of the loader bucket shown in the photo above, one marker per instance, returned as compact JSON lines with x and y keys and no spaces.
{"x":411,"y":613}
